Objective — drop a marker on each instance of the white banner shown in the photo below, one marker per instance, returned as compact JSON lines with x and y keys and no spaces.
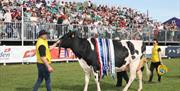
{"x":19,"y":54}
{"x":11,"y":54}
{"x":149,"y":51}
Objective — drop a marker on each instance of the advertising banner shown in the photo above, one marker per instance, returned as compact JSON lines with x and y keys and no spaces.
{"x":173,"y":51}
{"x":19,"y":54}
{"x":149,"y":51}
{"x":11,"y":54}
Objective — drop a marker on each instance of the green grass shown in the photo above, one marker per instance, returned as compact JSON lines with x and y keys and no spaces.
{"x":70,"y":77}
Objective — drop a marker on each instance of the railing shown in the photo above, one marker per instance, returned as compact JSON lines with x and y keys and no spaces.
{"x":12,"y":32}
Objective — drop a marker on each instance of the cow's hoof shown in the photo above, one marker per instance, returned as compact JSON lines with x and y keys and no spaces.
{"x":140,"y":90}
{"x":124,"y":90}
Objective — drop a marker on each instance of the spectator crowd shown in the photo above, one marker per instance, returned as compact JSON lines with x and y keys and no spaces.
{"x":99,"y":18}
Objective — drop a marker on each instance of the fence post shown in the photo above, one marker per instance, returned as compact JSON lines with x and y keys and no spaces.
{"x":22,"y":31}
{"x":4,"y":63}
{"x":149,"y":34}
{"x":165,"y":37}
{"x":131,"y":33}
{"x":111,"y":33}
{"x":22,"y":27}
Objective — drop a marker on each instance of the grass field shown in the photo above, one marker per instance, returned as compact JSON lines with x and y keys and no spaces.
{"x":70,"y":77}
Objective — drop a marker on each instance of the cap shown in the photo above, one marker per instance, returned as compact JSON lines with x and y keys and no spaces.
{"x":42,"y":32}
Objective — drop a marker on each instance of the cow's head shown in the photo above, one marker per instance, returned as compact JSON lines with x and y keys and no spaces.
{"x":67,"y":40}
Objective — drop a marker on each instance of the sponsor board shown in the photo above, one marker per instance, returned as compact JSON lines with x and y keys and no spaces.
{"x":19,"y":54}
{"x":173,"y":51}
{"x":11,"y":54}
{"x":149,"y":51}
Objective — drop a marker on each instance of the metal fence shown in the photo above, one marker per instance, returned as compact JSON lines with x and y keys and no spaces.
{"x":13,"y":32}
{"x":10,"y":31}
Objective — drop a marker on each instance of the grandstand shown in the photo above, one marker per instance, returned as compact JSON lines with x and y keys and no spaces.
{"x":21,"y":21}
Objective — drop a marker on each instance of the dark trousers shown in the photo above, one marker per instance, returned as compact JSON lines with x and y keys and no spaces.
{"x":43,"y":73}
{"x":59,"y":30}
{"x":120,"y":76}
{"x":152,"y":67}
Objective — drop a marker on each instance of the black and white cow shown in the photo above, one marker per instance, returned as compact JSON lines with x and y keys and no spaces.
{"x":127,"y":54}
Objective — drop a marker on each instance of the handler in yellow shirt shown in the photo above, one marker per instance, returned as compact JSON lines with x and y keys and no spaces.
{"x":155,"y":60}
{"x":43,"y":60}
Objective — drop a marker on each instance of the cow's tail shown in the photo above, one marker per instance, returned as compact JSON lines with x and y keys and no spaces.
{"x":148,"y":72}
{"x":144,"y":62}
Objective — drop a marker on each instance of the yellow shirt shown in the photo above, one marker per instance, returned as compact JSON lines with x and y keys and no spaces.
{"x":155,"y":53}
{"x":40,"y":42}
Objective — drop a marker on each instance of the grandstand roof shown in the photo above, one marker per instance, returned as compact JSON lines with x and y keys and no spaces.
{"x":177,"y":20}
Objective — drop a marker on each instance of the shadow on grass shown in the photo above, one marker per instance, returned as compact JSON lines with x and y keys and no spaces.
{"x":153,"y":82}
{"x":78,"y":87}
{"x":92,"y":87}
{"x":173,"y":76}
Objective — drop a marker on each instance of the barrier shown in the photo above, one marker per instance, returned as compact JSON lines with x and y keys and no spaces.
{"x":19,"y":54}
{"x":173,"y":51}
{"x":12,"y":31}
{"x":149,"y":51}
{"x":166,"y":51}
{"x":10,"y":54}
{"x":26,"y":54}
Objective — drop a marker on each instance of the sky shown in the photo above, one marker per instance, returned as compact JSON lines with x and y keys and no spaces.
{"x":160,"y":10}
